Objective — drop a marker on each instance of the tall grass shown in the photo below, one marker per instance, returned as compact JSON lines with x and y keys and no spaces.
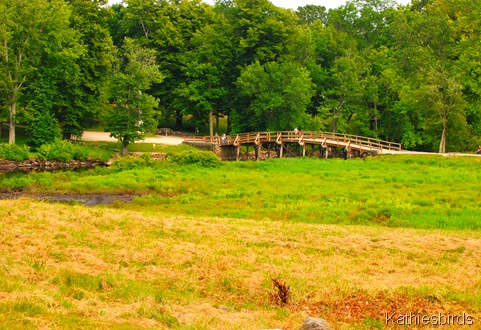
{"x":73,"y":267}
{"x":398,"y":191}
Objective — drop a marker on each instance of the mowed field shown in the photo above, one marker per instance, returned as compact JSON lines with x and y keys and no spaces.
{"x":180,"y":257}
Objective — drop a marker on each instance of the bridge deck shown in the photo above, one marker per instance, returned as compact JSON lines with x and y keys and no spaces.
{"x":345,"y":141}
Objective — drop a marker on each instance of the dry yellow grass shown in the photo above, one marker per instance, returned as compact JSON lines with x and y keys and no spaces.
{"x":68,"y":266}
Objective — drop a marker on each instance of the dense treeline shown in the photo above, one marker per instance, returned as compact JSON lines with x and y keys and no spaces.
{"x":408,"y":74}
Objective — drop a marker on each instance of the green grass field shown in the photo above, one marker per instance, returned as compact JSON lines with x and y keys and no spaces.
{"x":393,"y":191}
{"x":199,"y":247}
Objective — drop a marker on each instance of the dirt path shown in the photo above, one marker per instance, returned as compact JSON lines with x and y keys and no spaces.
{"x":105,"y":136}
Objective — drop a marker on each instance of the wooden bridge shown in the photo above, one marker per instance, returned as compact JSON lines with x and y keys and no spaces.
{"x":291,"y":144}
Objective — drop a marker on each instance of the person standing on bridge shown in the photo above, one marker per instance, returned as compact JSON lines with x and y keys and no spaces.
{"x":295,"y":131}
{"x":224,"y":138}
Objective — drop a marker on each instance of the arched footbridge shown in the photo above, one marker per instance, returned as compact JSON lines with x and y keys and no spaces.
{"x":291,"y":144}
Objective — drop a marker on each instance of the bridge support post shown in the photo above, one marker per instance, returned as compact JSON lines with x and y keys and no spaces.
{"x":281,"y":150}
{"x":304,"y":150}
{"x":257,"y":152}
{"x":238,"y":153}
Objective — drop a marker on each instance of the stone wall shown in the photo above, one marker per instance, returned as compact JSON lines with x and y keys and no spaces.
{"x":224,"y":153}
{"x":228,"y":153}
{"x":34,"y":164}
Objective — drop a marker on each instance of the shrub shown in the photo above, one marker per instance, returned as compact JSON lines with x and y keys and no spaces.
{"x":42,"y":130}
{"x":14,"y":152}
{"x":65,"y":151}
{"x":199,"y":157}
{"x":131,"y":162}
{"x":80,"y":153}
{"x":58,"y":150}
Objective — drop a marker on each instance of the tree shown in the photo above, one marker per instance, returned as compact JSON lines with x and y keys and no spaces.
{"x":258,"y":32}
{"x":345,"y":100}
{"x":432,"y":41}
{"x":167,"y":27}
{"x":204,"y":67}
{"x":132,"y":111}
{"x":308,"y":14}
{"x":275,"y":96}
{"x":82,"y":88}
{"x":28,"y":31}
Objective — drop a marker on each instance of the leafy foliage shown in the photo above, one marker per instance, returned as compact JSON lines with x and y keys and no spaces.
{"x":195,"y":157}
{"x":14,"y":152}
{"x":131,"y":162}
{"x":64,"y":151}
{"x":276,"y":96}
{"x":405,"y":74}
{"x":132,"y":114}
{"x":58,"y":150}
{"x":42,"y":130}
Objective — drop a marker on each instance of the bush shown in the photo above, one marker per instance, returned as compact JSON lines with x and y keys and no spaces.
{"x":43,"y":130}
{"x":80,"y":153}
{"x":58,"y":150}
{"x":14,"y":152}
{"x":65,"y":151}
{"x":199,"y":157}
{"x":131,"y":162}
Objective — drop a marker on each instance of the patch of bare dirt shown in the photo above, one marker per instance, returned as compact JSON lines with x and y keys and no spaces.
{"x":86,"y":200}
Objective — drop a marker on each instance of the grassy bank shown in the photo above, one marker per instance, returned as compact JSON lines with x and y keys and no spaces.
{"x":398,"y":191}
{"x":100,"y":268}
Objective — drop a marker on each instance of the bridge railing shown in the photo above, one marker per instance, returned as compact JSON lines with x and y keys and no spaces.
{"x":361,"y":140}
{"x":290,"y":136}
{"x":229,"y":139}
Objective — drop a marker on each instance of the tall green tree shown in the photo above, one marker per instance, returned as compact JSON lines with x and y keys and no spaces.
{"x":428,"y":40}
{"x":259,"y":32}
{"x":133,"y":110}
{"x":275,"y":96}
{"x":311,"y":13}
{"x":84,"y":87}
{"x":205,"y":67}
{"x":167,"y":27}
{"x":29,"y":30}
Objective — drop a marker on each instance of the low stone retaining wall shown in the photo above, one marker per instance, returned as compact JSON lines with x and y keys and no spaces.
{"x":224,"y":153}
{"x":34,"y":164}
{"x":209,"y":146}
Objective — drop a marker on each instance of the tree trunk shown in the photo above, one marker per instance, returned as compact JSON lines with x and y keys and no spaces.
{"x":125,"y":145}
{"x":334,"y":125}
{"x":442,"y":144}
{"x":211,"y":124}
{"x":178,"y":120}
{"x":13,"y":113}
{"x":217,"y":122}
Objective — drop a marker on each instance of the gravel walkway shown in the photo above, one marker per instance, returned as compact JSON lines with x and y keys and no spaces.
{"x":105,"y":136}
